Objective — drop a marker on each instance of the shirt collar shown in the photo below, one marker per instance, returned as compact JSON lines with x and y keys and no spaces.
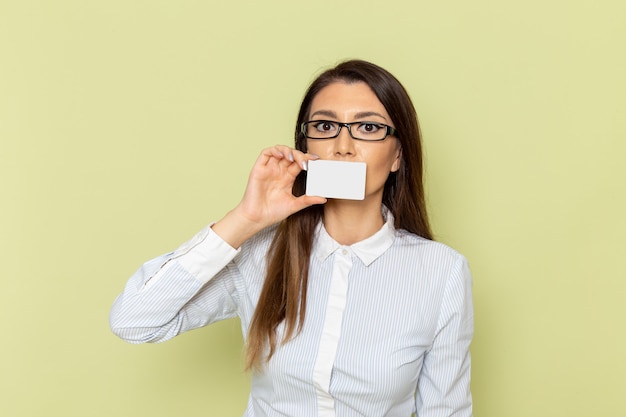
{"x":367,"y":250}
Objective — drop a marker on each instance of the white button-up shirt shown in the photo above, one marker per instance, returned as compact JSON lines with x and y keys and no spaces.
{"x":387,"y":331}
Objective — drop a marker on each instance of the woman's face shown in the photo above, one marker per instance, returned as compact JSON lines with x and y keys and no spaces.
{"x":355,"y":102}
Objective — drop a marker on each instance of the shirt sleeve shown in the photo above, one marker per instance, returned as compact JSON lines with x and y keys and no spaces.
{"x":444,"y":383}
{"x":183,"y":290}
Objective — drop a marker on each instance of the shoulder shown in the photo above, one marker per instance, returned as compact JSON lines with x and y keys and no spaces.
{"x":421,"y":246}
{"x":443,"y":270}
{"x":435,"y":259}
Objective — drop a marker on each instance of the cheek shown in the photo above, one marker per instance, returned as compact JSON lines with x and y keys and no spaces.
{"x":310,"y":146}
{"x":381,"y":162}
{"x":321,"y":148}
{"x":378,"y":170}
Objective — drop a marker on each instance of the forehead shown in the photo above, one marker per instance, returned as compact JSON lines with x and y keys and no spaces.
{"x":347,"y":98}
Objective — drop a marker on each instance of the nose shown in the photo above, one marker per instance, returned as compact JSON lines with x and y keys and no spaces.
{"x":344,"y":144}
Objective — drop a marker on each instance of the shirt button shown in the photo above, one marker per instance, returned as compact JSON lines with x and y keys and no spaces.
{"x":344,"y":252}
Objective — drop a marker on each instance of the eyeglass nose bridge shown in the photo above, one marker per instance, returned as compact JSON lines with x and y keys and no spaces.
{"x":348,"y":127}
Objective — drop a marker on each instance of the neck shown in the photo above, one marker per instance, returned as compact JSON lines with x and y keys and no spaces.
{"x":349,"y":222}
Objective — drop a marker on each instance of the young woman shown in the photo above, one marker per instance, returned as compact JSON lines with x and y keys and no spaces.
{"x":348,"y":307}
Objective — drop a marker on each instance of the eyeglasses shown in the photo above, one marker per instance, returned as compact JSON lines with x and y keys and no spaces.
{"x":327,"y":129}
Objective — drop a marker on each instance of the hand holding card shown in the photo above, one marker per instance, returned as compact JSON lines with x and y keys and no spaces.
{"x":336,"y":179}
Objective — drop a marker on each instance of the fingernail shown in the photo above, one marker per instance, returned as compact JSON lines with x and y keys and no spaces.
{"x":315,"y":156}
{"x":304,"y":166}
{"x":290,"y":157}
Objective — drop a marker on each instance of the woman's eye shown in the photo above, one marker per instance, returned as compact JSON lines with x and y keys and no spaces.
{"x":369,"y":127}
{"x":324,"y":126}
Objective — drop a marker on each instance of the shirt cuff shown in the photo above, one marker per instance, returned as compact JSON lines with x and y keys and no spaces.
{"x":205,"y":254}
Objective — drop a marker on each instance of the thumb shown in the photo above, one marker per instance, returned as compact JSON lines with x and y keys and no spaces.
{"x":310,"y":200}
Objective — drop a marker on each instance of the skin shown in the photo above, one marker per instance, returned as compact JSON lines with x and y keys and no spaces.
{"x":350,"y":221}
{"x":268,"y":198}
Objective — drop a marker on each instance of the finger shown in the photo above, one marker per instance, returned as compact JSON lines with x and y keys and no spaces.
{"x":287,"y":162}
{"x":268,"y":154}
{"x":295,"y":154}
{"x":310,"y":200}
{"x":285,"y":150}
{"x":275,"y":154}
{"x":300,"y":163}
{"x":265,"y":156}
{"x":302,"y":159}
{"x":293,"y":161}
{"x":285,"y":156}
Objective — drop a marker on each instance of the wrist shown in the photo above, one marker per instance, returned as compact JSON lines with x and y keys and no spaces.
{"x":235,"y":228}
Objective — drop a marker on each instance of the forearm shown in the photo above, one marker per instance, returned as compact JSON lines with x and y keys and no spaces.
{"x":235,"y":228}
{"x":158,"y":300}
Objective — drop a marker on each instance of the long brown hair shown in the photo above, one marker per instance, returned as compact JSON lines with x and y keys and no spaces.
{"x":283,"y":297}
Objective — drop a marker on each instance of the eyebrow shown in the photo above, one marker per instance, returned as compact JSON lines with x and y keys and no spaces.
{"x":364,"y":114}
{"x":359,"y":115}
{"x":326,"y":113}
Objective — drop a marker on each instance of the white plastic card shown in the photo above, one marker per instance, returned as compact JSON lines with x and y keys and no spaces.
{"x":336,"y":179}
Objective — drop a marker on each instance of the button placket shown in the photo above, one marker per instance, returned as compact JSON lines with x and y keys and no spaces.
{"x":331,"y":332}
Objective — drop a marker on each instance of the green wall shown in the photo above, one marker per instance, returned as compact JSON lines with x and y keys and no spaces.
{"x":126,"y":126}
